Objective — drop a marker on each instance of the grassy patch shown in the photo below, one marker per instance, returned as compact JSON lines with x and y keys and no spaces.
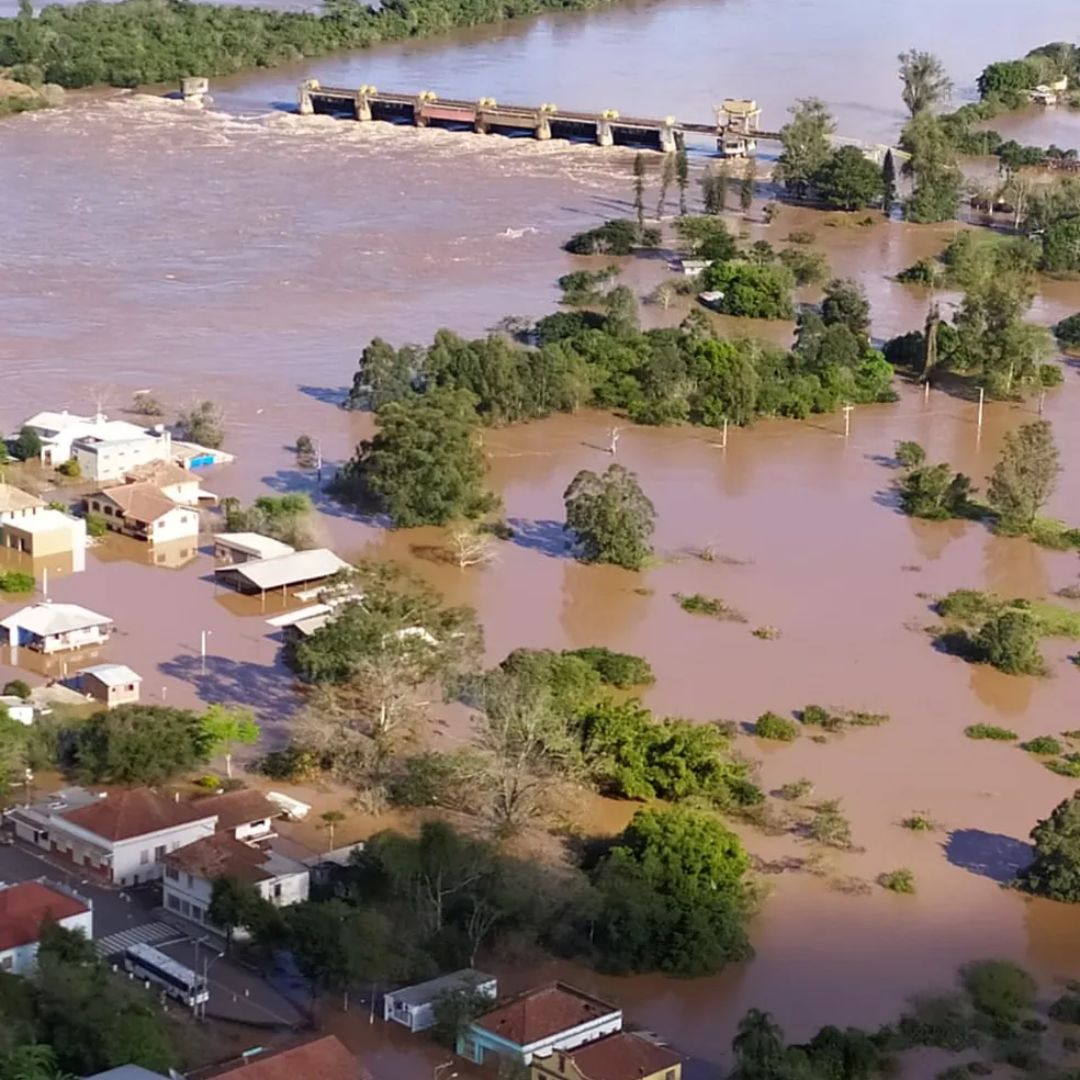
{"x":919,"y":821}
{"x":999,"y":988}
{"x":697,"y":604}
{"x":777,"y":728}
{"x":1042,"y":744}
{"x":796,"y":789}
{"x":898,"y":881}
{"x":835,"y":720}
{"x":1051,"y":533}
{"x":1069,"y":766}
{"x":990,"y":731}
{"x":971,"y":608}
{"x":830,"y":826}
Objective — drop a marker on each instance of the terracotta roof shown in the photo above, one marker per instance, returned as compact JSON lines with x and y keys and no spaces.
{"x":622,"y":1056}
{"x":162,"y":473}
{"x":320,"y":1059}
{"x":143,"y":502}
{"x":236,"y":808}
{"x":539,"y":1014}
{"x":124,"y":814}
{"x":221,"y":855}
{"x":13,"y":498}
{"x":23,"y":908}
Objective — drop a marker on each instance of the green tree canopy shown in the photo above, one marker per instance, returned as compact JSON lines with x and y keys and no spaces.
{"x":848,"y":180}
{"x":805,"y":141}
{"x":139,"y":744}
{"x":425,"y":465}
{"x":611,"y":517}
{"x":1055,"y":870}
{"x":1025,"y":475}
{"x":225,"y":729}
{"x":926,"y":83}
{"x":27,"y":446}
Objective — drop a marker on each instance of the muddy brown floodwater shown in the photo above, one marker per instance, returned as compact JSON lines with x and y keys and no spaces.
{"x":247,"y":255}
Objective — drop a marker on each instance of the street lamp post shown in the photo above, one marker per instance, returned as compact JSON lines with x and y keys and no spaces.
{"x":203,"y":635}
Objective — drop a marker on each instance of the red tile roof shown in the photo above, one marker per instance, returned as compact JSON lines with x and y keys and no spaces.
{"x":236,"y":808}
{"x":23,"y":908}
{"x":221,"y":855}
{"x":125,"y":814}
{"x":622,"y":1056}
{"x":321,"y":1059}
{"x":539,"y":1014}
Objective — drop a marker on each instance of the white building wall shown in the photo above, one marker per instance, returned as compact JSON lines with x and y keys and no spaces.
{"x":21,"y":960}
{"x":255,"y":830}
{"x":189,"y":895}
{"x":76,"y":639}
{"x":110,"y":460}
{"x":139,"y":859}
{"x":286,"y":889}
{"x":575,"y":1037}
{"x":179,"y":524}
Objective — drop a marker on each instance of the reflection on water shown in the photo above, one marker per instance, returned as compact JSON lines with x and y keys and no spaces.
{"x":171,"y":555}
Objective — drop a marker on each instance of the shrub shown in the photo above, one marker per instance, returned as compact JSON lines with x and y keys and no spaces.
{"x":1068,"y":332}
{"x":910,"y":454}
{"x":829,"y":825}
{"x":709,"y":605}
{"x":1050,"y":375}
{"x":898,"y":881}
{"x":794,"y":790}
{"x":1010,"y":641}
{"x":919,"y":821}
{"x":990,"y":731}
{"x":1042,"y":744}
{"x":210,"y":782}
{"x":818,"y":716}
{"x":1066,"y":1010}
{"x":293,"y":765}
{"x":95,"y":525}
{"x":999,"y":988}
{"x":145,"y":404}
{"x":1066,"y":766}
{"x":13,"y":581}
{"x":70,"y":468}
{"x":615,"y":668}
{"x":752,"y":291}
{"x":777,"y":728}
{"x":617,"y":237}
{"x":17,"y":688}
{"x":800,"y":236}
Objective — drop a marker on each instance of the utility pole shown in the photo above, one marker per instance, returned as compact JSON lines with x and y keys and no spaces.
{"x":847,"y":420}
{"x":1042,"y":400}
{"x":203,"y":635}
{"x":978,"y":429}
{"x":926,"y":390}
{"x":613,"y":448}
{"x":723,"y":437}
{"x":318,"y":464}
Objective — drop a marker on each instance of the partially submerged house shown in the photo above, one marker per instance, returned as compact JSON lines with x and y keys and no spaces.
{"x":241,"y":547}
{"x":322,"y":1058}
{"x":16,"y":503}
{"x":145,"y":512}
{"x":48,"y":627}
{"x":260,"y":576}
{"x":414,"y":1006}
{"x":24,"y":910}
{"x":111,"y":684}
{"x":623,"y":1056}
{"x":179,"y":484}
{"x":190,"y":872}
{"x":246,"y":814}
{"x":120,"y":836}
{"x":47,"y":533}
{"x":539,"y":1022}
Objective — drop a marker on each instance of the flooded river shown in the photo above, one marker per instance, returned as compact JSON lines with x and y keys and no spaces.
{"x":247,"y":255}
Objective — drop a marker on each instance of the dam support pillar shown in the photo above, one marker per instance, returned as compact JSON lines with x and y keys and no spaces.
{"x":669,"y":137}
{"x":604,"y":134}
{"x":304,"y":105}
{"x":543,"y":121}
{"x":362,"y":104}
{"x":195,"y":89}
{"x":482,"y":124}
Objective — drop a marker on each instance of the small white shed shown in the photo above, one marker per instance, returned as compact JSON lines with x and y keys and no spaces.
{"x":414,"y":1006}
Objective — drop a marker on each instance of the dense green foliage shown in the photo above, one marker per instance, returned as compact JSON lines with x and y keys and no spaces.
{"x":991,"y":732}
{"x":778,"y":728}
{"x":933,"y":492}
{"x":622,"y":670}
{"x":139,"y":744}
{"x":281,"y":517}
{"x":805,"y":142}
{"x":203,"y":424}
{"x":1042,"y":744}
{"x":751,"y":291}
{"x":425,"y":464}
{"x":1007,"y":77}
{"x":1055,"y":870}
{"x":898,"y":881}
{"x":1024,"y":477}
{"x":617,"y":237}
{"x":630,"y":755}
{"x":1068,"y":332}
{"x":1010,"y":642}
{"x":27,"y":445}
{"x":999,"y":988}
{"x":611,"y":517}
{"x":926,"y":84}
{"x":73,"y":1016}
{"x":933,"y":168}
{"x":848,"y":180}
{"x":15,"y":581}
{"x":138,"y":42}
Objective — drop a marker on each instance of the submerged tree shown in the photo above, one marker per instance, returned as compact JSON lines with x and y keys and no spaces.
{"x":926,"y":84}
{"x":1025,"y":476}
{"x":612,"y":518}
{"x":667,"y":178}
{"x":639,"y":189}
{"x":805,"y":140}
{"x":682,"y":175}
{"x":1055,"y":870}
{"x":888,"y":182}
{"x":203,"y":424}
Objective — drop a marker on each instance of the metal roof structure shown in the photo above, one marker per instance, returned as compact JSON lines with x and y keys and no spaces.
{"x":112,"y":674}
{"x":252,"y":543}
{"x":285,"y":570}
{"x":422,"y":993}
{"x":48,"y":618}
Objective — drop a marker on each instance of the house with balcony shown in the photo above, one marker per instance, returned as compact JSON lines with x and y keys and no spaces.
{"x":190,"y":872}
{"x":145,"y":512}
{"x":625,"y":1055}
{"x":24,"y":910}
{"x":550,"y":1019}
{"x":179,"y":484}
{"x":49,"y":627}
{"x":120,"y":836}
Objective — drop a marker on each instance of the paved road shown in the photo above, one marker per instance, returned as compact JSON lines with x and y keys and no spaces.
{"x":123,"y":918}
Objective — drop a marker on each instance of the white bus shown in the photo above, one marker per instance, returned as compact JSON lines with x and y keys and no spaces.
{"x":177,"y":981}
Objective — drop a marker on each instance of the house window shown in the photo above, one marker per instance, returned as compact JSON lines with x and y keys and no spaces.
{"x":6,"y":962}
{"x":669,"y":1075}
{"x":108,"y":511}
{"x":190,"y":882}
{"x":562,"y":1065}
{"x":172,"y":873}
{"x":196,"y":913}
{"x":144,"y":857}
{"x":185,"y":908}
{"x":174,"y":901}
{"x":277,"y":890}
{"x":159,"y":853}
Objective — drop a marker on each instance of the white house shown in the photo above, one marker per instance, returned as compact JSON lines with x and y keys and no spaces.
{"x":23,"y":910}
{"x":111,"y":454}
{"x":246,"y":815}
{"x":537,"y":1023}
{"x":145,"y":512}
{"x":48,"y":627}
{"x":190,"y":872}
{"x":414,"y":1006}
{"x":122,"y":836}
{"x":59,"y":432}
{"x":47,"y":534}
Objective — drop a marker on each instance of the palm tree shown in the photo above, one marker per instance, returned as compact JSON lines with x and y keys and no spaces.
{"x":758,"y":1046}
{"x":926,"y":83}
{"x":32,"y":1061}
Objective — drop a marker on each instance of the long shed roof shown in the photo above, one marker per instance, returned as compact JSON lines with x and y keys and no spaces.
{"x":286,"y":570}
